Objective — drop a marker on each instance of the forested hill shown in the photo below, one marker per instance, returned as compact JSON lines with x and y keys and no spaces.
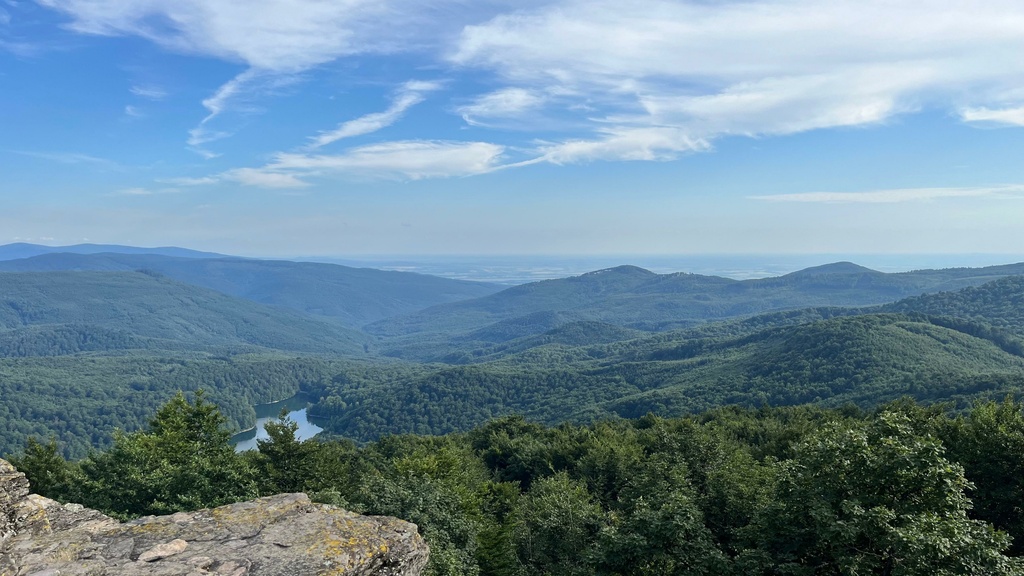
{"x":352,"y":296}
{"x":864,"y":359}
{"x":53,"y":313}
{"x":636,"y":298}
{"x":999,"y":303}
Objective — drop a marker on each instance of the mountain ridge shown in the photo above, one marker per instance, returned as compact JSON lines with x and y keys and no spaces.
{"x":351,"y":296}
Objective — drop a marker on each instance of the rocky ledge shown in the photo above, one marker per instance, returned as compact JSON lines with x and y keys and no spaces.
{"x":284,"y":535}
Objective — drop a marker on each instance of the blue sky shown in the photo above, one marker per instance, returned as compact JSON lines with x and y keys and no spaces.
{"x":341,"y":127}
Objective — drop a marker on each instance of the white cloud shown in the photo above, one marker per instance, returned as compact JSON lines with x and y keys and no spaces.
{"x":504,"y":103}
{"x":1001,"y":116}
{"x":185,"y":181}
{"x":275,"y":38}
{"x":139,"y":191}
{"x":133,"y":111}
{"x":757,"y":67}
{"x":617,"y":80}
{"x":644,"y":143}
{"x":149,"y":92}
{"x":283,"y":36}
{"x":400,"y":160}
{"x":264,"y":178}
{"x":411,"y":94}
{"x":895,"y":196}
{"x":411,"y":159}
{"x":201,"y":135}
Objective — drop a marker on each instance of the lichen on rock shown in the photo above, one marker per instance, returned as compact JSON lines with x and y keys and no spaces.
{"x":283,"y":535}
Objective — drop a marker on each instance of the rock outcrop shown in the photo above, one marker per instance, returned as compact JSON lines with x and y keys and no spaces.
{"x":284,"y":535}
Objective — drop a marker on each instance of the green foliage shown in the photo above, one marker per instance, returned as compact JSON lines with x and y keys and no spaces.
{"x":46,"y":470}
{"x":989,"y":442}
{"x":184,"y":461}
{"x":557,"y":528}
{"x":876,"y":498}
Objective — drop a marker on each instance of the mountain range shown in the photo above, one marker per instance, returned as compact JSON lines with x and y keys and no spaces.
{"x":383,"y":352}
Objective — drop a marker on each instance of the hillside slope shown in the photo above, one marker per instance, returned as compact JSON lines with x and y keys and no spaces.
{"x":352,"y":296}
{"x":865,"y":359}
{"x":635,"y":298}
{"x":134,"y":309}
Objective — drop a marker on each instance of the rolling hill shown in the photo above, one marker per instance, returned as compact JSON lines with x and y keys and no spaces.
{"x":864,"y":359}
{"x":40,"y":310}
{"x":635,"y":298}
{"x":352,"y":296}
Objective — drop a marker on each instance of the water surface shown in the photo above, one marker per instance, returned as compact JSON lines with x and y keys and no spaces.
{"x":296,"y":408}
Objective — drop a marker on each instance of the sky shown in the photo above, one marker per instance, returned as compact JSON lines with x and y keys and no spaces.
{"x":362,"y":127}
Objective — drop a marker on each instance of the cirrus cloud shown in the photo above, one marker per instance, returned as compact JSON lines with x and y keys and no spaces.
{"x":611,"y":80}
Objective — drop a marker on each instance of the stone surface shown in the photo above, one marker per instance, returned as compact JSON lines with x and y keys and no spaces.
{"x":283,"y":535}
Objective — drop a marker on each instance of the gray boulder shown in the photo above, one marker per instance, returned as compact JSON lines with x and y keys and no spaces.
{"x":285,"y":535}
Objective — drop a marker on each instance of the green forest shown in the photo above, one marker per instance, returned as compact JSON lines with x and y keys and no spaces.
{"x":902,"y":489}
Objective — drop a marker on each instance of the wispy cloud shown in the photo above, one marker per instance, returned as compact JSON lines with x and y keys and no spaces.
{"x":149,"y":92}
{"x":75,"y":158}
{"x":761,"y":67}
{"x":410,"y":94}
{"x":618,"y":143}
{"x":133,"y":111}
{"x":504,"y":103}
{"x":264,"y":178}
{"x":896,"y":195}
{"x":398,"y":160}
{"x":140,"y":191}
{"x":618,"y":82}
{"x":280,"y":38}
{"x":215,"y":105}
{"x":201,"y":181}
{"x":1000,"y":116}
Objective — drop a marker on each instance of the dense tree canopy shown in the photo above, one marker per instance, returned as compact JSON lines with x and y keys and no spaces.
{"x":905,"y":490}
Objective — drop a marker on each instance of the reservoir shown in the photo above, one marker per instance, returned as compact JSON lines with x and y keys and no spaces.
{"x":296,"y":408}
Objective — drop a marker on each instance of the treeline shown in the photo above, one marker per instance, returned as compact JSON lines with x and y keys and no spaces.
{"x":901,"y":490}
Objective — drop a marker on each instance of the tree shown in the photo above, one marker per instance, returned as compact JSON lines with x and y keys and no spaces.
{"x":989,"y":443}
{"x":184,"y":461}
{"x":46,"y":470}
{"x":558,"y":527}
{"x":874,"y":498}
{"x":288,"y":463}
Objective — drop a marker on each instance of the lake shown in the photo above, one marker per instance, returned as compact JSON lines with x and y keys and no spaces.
{"x":296,"y":407}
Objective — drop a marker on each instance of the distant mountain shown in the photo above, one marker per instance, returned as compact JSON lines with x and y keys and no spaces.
{"x":635,"y":298}
{"x":830,"y":269}
{"x":353,"y":296}
{"x":23,"y":250}
{"x":53,"y":313}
